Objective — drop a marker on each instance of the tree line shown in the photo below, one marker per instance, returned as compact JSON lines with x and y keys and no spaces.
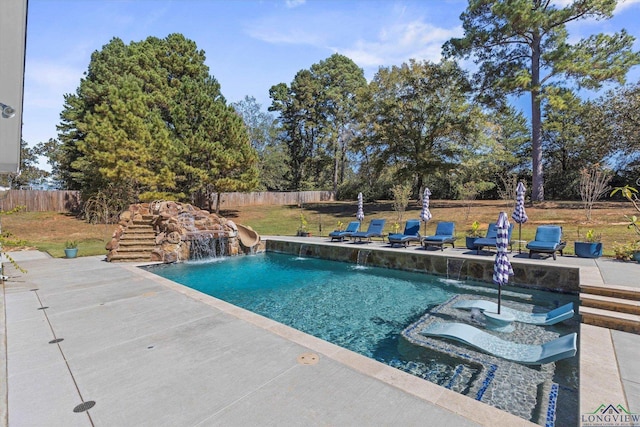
{"x":149,"y":121}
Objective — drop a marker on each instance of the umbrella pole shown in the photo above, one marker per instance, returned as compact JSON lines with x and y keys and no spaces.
{"x":499,"y":297}
{"x":519,"y":237}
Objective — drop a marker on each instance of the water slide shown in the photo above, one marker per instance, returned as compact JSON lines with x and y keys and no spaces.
{"x":248,"y":237}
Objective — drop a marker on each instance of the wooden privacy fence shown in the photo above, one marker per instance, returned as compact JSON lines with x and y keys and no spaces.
{"x":232,"y":200}
{"x":69,"y":201}
{"x":40,"y":200}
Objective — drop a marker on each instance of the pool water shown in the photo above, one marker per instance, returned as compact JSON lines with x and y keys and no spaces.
{"x":363,"y":309}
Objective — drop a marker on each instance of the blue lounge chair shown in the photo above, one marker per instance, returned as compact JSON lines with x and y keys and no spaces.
{"x":490,"y":239}
{"x":548,"y":240}
{"x":445,"y":233}
{"x":552,"y":317}
{"x":527,"y":354}
{"x":411,"y":234}
{"x":375,"y":229}
{"x":340,"y":235}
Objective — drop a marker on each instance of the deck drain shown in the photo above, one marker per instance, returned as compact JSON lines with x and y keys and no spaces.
{"x":84,"y":406}
{"x":43,"y":308}
{"x":56,"y":341}
{"x":308,"y":359}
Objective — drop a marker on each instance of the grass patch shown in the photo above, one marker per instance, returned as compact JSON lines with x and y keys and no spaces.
{"x":48,"y":231}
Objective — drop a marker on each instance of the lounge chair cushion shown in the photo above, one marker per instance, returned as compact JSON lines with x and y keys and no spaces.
{"x":489,"y":240}
{"x":411,"y":233}
{"x":352,"y":227}
{"x":548,"y":237}
{"x":376,"y":227}
{"x":548,"y":240}
{"x":445,"y":233}
{"x":438,"y":239}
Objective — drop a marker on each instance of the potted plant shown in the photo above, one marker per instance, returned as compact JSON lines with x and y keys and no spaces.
{"x":627,"y":251}
{"x":472,"y":234}
{"x":71,"y":249}
{"x":590,"y":247}
{"x":396,"y":228}
{"x":634,"y":223}
{"x":631,"y":194}
{"x":302,"y":228}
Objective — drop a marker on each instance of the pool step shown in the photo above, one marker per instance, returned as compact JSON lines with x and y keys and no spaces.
{"x":613,"y":307}
{"x":611,"y":319}
{"x":621,"y":305}
{"x":624,"y":292}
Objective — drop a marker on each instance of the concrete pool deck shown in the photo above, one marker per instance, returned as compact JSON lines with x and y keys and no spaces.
{"x":150,"y":352}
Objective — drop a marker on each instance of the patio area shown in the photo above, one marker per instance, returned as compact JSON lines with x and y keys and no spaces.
{"x":86,"y":342}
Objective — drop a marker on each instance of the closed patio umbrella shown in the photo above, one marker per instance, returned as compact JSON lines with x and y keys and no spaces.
{"x":519,"y":215}
{"x":502,"y":267}
{"x":360,"y":213}
{"x":425,"y":215}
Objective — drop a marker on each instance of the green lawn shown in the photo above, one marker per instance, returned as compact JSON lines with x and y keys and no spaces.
{"x":48,"y":231}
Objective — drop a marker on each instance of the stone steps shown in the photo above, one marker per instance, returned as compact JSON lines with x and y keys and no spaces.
{"x":611,"y":291}
{"x":130,"y":257}
{"x":150,"y":237}
{"x":601,"y":302}
{"x":611,"y":319}
{"x":613,"y":307}
{"x":136,"y":243}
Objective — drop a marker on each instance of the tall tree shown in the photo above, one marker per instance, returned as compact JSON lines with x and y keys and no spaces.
{"x":340,"y":81}
{"x":622,"y":110}
{"x":317,"y":115}
{"x":263,"y":134}
{"x":300,"y":123}
{"x":571,"y":139}
{"x":522,"y":46}
{"x":30,"y":173}
{"x":416,"y":117}
{"x":149,"y":118}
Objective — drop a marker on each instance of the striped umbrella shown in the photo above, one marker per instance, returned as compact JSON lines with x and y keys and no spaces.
{"x":519,"y":215}
{"x":425,"y":215}
{"x":360,"y":213}
{"x":502,"y":267}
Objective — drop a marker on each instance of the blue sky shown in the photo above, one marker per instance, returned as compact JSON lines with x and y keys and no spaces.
{"x":250,"y":45}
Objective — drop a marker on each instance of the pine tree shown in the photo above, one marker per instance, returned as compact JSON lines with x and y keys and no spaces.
{"x":522,"y":46}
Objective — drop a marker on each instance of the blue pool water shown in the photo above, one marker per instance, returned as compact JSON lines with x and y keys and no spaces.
{"x":363,"y":309}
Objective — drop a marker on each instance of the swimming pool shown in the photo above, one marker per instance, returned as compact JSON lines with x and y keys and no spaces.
{"x":361,"y":309}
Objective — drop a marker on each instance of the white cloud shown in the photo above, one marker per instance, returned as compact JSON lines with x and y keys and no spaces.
{"x":625,"y":4}
{"x":276,"y":35}
{"x":400,"y":42}
{"x":48,"y":81}
{"x":294,"y":3}
{"x":622,"y":4}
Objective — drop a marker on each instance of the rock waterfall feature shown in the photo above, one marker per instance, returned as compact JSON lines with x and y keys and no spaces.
{"x":166,"y":231}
